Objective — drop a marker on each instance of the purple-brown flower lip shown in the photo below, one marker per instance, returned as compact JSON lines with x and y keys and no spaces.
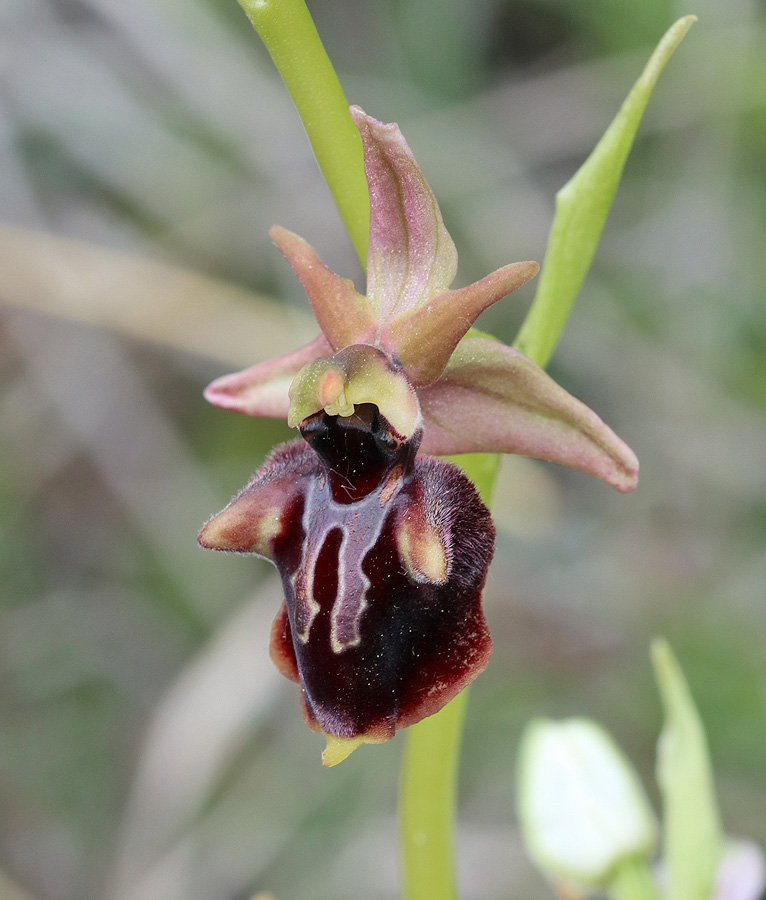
{"x":383,"y":555}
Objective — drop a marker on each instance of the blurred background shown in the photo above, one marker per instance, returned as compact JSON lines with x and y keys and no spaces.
{"x":148,"y":750}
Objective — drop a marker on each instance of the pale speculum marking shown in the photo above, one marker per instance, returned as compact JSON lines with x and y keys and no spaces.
{"x":360,"y":524}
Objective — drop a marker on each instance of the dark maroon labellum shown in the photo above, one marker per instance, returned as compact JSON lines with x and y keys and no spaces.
{"x":383,"y":556}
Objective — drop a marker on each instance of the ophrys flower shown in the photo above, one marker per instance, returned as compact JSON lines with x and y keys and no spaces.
{"x":383,"y":553}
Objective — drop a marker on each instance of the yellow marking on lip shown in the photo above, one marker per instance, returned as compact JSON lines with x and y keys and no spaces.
{"x":270,"y":528}
{"x":340,"y":748}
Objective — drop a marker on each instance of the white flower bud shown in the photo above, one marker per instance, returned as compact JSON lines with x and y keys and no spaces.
{"x":581,"y":805}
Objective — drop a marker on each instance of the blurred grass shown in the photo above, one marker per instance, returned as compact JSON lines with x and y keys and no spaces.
{"x":147,"y":750}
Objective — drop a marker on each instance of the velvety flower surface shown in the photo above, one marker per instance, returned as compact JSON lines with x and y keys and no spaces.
{"x":383,"y":553}
{"x":383,"y":556}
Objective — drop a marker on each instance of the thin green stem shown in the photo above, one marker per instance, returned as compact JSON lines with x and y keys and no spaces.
{"x":428,"y":802}
{"x":288,"y":31}
{"x":633,"y":880}
{"x":428,"y":795}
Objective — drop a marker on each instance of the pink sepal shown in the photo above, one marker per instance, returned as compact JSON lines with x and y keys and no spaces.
{"x":492,"y":399}
{"x":262,"y":390}
{"x":411,"y":256}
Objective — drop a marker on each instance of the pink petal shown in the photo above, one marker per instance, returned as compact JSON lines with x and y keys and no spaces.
{"x":262,"y":390}
{"x":492,"y":398}
{"x":411,"y":255}
{"x":344,"y":316}
{"x":423,"y":339}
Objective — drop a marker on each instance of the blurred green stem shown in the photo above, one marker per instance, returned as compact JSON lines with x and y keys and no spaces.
{"x":633,"y":880}
{"x":287,"y":30}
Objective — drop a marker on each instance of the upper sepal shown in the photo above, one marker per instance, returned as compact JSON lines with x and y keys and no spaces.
{"x":411,"y":256}
{"x":493,"y":399}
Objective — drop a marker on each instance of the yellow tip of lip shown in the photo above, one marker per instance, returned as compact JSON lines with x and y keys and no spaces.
{"x":339,"y":748}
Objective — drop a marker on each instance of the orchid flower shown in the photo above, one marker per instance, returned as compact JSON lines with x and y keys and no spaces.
{"x":383,"y":552}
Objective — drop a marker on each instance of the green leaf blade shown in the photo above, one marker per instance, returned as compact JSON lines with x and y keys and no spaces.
{"x":582,"y":206}
{"x":692,"y":834}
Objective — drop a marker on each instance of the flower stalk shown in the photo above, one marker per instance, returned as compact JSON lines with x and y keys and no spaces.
{"x":633,"y":880}
{"x":428,"y":792}
{"x":428,"y":802}
{"x":288,"y":33}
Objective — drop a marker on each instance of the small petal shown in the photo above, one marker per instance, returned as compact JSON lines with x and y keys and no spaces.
{"x":493,"y":399}
{"x":357,"y":375}
{"x":262,"y":390}
{"x":423,"y":339}
{"x":411,"y":256}
{"x":344,"y":316}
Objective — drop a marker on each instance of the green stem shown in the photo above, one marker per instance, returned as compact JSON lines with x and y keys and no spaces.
{"x":633,"y":880}
{"x":428,"y":796}
{"x":428,"y":801}
{"x":287,"y":30}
